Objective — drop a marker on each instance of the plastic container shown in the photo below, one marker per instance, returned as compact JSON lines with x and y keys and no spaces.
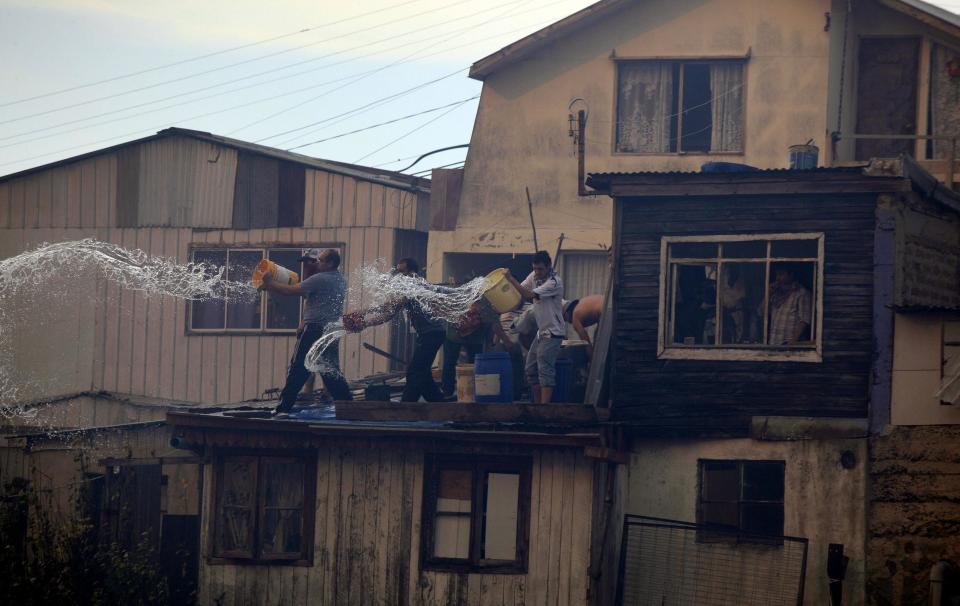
{"x":465,"y":382}
{"x":501,"y":294}
{"x":280,"y":273}
{"x":576,"y":352}
{"x":493,"y":377}
{"x":804,"y":157}
{"x":562,"y":390}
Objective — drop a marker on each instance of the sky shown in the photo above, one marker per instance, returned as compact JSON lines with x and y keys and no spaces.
{"x":81,"y":75}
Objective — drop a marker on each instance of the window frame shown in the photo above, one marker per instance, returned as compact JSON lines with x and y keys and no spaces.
{"x":945,"y":343}
{"x":305,"y":558}
{"x":743,"y":60}
{"x":667,"y":350}
{"x":265,"y":250}
{"x":478,"y":465}
{"x":739,"y":536}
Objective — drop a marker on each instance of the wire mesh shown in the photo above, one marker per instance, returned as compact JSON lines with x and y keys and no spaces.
{"x":672,"y":563}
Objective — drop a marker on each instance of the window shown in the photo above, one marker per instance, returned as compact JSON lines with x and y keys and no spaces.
{"x":679,"y":106}
{"x":266,"y":312}
{"x":476,"y":514}
{"x":263,"y":508}
{"x":741,"y":297}
{"x":741,"y":496}
{"x":949,"y":392}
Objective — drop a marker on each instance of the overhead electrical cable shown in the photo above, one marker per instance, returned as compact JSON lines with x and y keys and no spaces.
{"x":407,"y":134}
{"x":207,"y":55}
{"x":395,"y":120}
{"x":256,"y":84}
{"x":244,"y":62}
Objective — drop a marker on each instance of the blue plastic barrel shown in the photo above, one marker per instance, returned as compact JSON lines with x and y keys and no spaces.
{"x":562,"y":390}
{"x":493,"y":377}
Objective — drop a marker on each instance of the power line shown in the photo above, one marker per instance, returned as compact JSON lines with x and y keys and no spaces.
{"x":389,"y":65}
{"x":170,"y":106}
{"x":209,"y":71}
{"x":372,"y":126}
{"x":407,"y":134}
{"x":205,"y":56}
{"x":423,"y":172}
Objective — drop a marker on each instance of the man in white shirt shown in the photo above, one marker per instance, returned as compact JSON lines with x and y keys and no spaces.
{"x":544,"y":287}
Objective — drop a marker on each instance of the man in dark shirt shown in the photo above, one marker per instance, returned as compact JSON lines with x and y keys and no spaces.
{"x":429,"y":330}
{"x":325,"y":290}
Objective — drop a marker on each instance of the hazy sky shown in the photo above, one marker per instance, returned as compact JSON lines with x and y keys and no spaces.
{"x":354,"y":67}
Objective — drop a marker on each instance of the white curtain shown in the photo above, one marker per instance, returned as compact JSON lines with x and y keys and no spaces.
{"x":726,"y":90}
{"x":944,"y":99}
{"x":645,"y":99}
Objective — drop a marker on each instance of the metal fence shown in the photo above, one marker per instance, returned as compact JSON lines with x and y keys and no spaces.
{"x":672,"y":563}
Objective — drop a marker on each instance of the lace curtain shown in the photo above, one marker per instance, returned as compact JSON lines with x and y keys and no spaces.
{"x":645,"y":98}
{"x":726,"y":92}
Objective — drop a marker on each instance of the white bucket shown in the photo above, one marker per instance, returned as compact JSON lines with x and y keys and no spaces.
{"x":280,"y":273}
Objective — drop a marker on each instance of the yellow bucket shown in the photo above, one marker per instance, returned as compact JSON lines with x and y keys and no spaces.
{"x":280,"y":273}
{"x":500,"y":292}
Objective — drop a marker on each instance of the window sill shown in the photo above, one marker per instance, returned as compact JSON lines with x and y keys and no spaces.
{"x":678,"y":154}
{"x":468,"y":568}
{"x":740,"y":355}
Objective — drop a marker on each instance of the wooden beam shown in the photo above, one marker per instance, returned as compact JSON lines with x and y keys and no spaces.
{"x":465,"y":412}
{"x":607,"y":454}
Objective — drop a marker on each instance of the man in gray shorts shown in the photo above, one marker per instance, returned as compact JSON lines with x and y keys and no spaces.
{"x":544,"y":287}
{"x":325,"y":289}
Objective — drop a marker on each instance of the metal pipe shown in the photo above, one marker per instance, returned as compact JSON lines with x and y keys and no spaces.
{"x":938,"y":574}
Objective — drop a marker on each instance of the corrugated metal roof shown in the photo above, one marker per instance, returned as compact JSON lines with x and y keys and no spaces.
{"x":850,"y":170}
{"x":364,"y":173}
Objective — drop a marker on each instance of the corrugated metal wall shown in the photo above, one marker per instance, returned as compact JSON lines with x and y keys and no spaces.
{"x":94,"y":335}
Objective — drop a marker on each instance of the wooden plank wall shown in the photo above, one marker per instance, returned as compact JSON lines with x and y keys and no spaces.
{"x":721,"y":393}
{"x":368,"y":532}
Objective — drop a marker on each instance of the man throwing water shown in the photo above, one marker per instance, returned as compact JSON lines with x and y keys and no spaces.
{"x":325,"y":289}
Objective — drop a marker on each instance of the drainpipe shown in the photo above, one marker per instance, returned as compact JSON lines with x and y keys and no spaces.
{"x":938,"y":574}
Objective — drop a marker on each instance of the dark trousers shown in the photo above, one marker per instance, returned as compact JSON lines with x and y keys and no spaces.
{"x":298,"y":374}
{"x":451,"y":354}
{"x":419,"y":377}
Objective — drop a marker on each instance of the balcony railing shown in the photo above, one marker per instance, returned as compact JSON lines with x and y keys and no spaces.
{"x":945,"y":170}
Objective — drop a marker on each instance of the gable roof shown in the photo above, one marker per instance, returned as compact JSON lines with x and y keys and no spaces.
{"x":922,"y":11}
{"x":363,"y":173}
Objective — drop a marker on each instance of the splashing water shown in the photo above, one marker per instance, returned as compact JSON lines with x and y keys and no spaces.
{"x":443,"y":303}
{"x":32,"y":280}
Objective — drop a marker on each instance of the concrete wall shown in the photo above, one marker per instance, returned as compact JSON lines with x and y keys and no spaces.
{"x":520,"y":134}
{"x":822,"y":501}
{"x":914,"y":515}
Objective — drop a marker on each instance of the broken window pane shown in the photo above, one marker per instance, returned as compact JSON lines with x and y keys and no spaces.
{"x":794,"y":249}
{"x":695,"y":132}
{"x":209,"y":314}
{"x":762,"y":481}
{"x":693,"y":250}
{"x":243,"y":313}
{"x":283,"y":312}
{"x":791,"y":303}
{"x":741,"y":299}
{"x":695,"y":304}
{"x":452,"y":523}
{"x":500,"y":516}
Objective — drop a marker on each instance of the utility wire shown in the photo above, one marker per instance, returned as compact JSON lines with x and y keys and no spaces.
{"x":206,"y":56}
{"x":407,"y":134}
{"x":372,"y":126}
{"x":385,"y":67}
{"x":254,"y":85}
{"x":423,"y":172}
{"x":210,"y":71}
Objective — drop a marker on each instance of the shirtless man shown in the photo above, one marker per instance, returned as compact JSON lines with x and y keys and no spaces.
{"x":583,"y":313}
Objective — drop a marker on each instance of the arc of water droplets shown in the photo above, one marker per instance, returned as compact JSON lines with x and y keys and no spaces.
{"x":33,"y":270}
{"x":443,"y":303}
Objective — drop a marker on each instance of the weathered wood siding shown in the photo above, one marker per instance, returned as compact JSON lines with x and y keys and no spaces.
{"x":723,"y":394}
{"x":82,"y":334}
{"x":367,"y":539}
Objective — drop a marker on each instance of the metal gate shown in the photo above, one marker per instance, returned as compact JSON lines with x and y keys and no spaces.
{"x":673,"y":563}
